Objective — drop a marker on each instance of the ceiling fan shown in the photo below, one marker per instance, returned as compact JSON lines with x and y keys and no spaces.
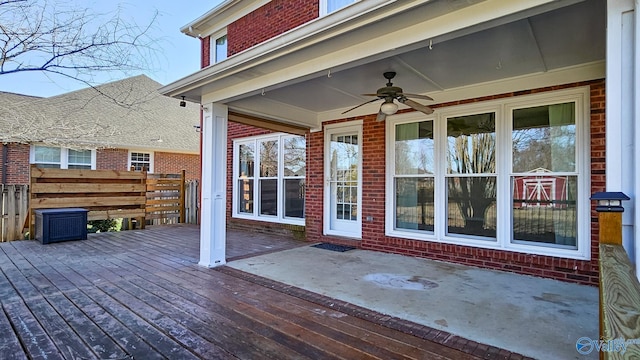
{"x":390,"y":93}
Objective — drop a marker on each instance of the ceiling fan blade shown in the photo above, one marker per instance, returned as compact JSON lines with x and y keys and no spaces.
{"x":416,"y":96}
{"x":364,"y":103}
{"x":416,"y":106}
{"x":381,"y":116}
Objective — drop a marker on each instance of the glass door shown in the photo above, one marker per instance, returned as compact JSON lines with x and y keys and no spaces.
{"x":343,"y":183}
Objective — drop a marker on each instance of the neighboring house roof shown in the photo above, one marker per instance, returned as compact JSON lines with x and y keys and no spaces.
{"x":6,"y":97}
{"x":128,"y":113}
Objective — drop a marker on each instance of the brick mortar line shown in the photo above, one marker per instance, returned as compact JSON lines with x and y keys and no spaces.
{"x":408,"y":327}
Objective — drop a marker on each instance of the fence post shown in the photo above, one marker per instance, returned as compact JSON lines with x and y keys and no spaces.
{"x":609,"y":208}
{"x":182,"y":197}
{"x":11,"y":212}
{"x":3,"y":232}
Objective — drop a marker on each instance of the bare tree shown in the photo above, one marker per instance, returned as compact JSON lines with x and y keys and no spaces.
{"x":57,"y":37}
{"x":473,"y":152}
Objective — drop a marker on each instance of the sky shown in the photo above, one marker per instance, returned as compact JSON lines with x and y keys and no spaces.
{"x":180,"y":54}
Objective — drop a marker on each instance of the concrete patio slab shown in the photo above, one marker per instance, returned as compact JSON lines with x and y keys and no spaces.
{"x":535,"y":317}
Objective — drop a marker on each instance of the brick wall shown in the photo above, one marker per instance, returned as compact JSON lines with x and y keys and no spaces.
{"x":272,"y":19}
{"x":106,"y":159}
{"x":112,"y":159}
{"x":173,"y":163}
{"x":205,"y":54}
{"x":373,"y":233}
{"x":17,"y":163}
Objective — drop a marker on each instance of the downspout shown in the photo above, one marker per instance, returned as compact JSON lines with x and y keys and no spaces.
{"x":5,"y":162}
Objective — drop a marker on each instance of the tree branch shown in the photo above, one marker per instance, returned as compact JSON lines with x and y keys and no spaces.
{"x":61,"y":39}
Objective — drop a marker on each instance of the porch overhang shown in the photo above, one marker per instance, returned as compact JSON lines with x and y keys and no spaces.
{"x":317,"y":71}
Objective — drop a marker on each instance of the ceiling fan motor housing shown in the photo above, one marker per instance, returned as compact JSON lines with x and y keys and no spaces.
{"x":389,"y":91}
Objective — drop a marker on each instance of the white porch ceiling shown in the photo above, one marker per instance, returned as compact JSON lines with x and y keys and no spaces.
{"x":563,"y":34}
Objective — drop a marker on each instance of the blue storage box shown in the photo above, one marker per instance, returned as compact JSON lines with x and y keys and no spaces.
{"x":54,"y":225}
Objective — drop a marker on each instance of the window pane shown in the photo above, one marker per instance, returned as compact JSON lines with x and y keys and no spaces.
{"x":88,"y":167}
{"x":544,"y":137}
{"x":544,"y":209}
{"x":245,"y":196}
{"x":471,"y":144}
{"x":414,"y":203}
{"x":269,"y":158}
{"x":141,"y":161}
{"x":48,"y":166}
{"x":140,"y":157}
{"x":471,"y":206}
{"x":346,"y":199}
{"x":294,"y":198}
{"x":269,"y":197}
{"x":344,"y":158}
{"x":47,"y":154}
{"x":414,"y":148}
{"x":295,"y":153}
{"x":221,"y":48}
{"x":79,"y":157}
{"x":333,"y":5}
{"x":247,"y":160}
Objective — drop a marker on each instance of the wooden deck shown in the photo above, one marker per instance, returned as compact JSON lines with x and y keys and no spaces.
{"x":141,"y":294}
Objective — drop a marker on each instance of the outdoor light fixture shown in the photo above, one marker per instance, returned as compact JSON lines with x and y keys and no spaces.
{"x":609,"y":201}
{"x":183,"y":103}
{"x":197,"y":127}
{"x":389,"y":107}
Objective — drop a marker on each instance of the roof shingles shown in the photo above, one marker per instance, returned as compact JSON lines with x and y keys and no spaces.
{"x":128,"y":113}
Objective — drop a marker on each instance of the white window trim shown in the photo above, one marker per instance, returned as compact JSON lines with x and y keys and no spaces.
{"x":256,"y":216}
{"x":503,"y":108}
{"x":212,"y":46}
{"x":151,"y":159}
{"x":324,"y":5}
{"x":64,"y":156}
{"x":351,"y":126}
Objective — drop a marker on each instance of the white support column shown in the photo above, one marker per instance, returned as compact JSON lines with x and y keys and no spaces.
{"x":622,"y":133}
{"x":635,"y":258}
{"x":213,"y":232}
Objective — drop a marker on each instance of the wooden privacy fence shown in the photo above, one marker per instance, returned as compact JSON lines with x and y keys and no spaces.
{"x":107,"y":194}
{"x":165,"y":198}
{"x":110,"y":194}
{"x":14,"y":206}
{"x":192,"y":202}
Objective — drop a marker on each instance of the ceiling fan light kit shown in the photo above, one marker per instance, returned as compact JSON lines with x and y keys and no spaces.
{"x":389,"y":93}
{"x":389,"y":108}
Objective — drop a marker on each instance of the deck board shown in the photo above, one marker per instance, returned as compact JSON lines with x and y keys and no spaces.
{"x":141,"y":293}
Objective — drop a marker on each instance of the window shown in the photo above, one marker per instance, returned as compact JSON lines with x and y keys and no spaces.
{"x":218,"y":48}
{"x":544,"y":179}
{"x":62,"y":158}
{"x":329,"y":6}
{"x":470,"y":176}
{"x":269,"y":173}
{"x":414,"y":176}
{"x":141,"y":161}
{"x":506,"y":174}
